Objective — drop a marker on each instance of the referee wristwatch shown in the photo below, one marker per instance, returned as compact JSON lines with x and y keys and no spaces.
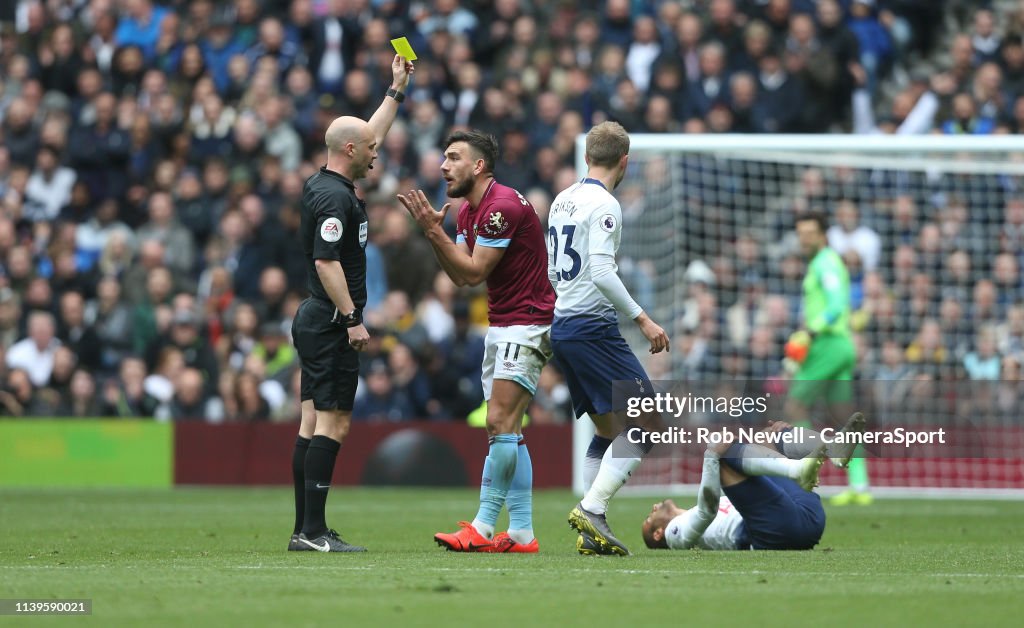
{"x":397,"y":95}
{"x":352,"y":319}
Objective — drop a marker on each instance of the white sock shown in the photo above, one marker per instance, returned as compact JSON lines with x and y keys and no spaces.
{"x":590,"y":469}
{"x":524,"y":537}
{"x":486,"y":529}
{"x":779,"y":467}
{"x":612,"y":475}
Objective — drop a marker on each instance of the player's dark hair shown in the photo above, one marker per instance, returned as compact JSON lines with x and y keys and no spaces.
{"x":483,"y":144}
{"x":817,"y":216}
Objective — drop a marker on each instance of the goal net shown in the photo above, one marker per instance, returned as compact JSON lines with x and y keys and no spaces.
{"x":931,"y":229}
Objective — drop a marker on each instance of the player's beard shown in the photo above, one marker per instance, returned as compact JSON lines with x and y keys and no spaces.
{"x":459,"y":188}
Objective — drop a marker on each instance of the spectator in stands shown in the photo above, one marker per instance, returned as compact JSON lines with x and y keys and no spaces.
{"x":711,"y":85}
{"x":164,"y":227}
{"x":985,"y":40}
{"x":81,"y":400}
{"x":59,"y":384}
{"x":412,"y":383}
{"x":76,"y":334}
{"x":1010,"y":333}
{"x":408,"y":260}
{"x":275,"y":352}
{"x":379,"y":402}
{"x":49,"y":188}
{"x":644,"y":49}
{"x":128,"y":394}
{"x":21,"y":137}
{"x":17,"y":398}
{"x":244,"y":253}
{"x":844,"y":42}
{"x":747,"y":113}
{"x":273,"y":287}
{"x":779,"y":94}
{"x":160,"y":383}
{"x":145,"y":328}
{"x":928,"y":347}
{"x":35,"y":353}
{"x":1011,"y":61}
{"x":191,"y":401}
{"x":99,"y":150}
{"x":248,"y":403}
{"x":985,"y":304}
{"x":965,"y":118}
{"x":551,"y":404}
{"x":984,"y":361}
{"x":875,"y":44}
{"x":185,"y":336}
{"x":10,"y":317}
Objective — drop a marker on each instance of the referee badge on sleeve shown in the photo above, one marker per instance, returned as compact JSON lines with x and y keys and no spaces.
{"x":331,"y":230}
{"x":362,"y":233}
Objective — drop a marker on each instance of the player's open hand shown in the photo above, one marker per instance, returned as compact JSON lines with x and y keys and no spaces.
{"x":653,"y":333}
{"x":778,"y":426}
{"x":401,"y":71}
{"x":358,"y":337}
{"x":422,"y":211}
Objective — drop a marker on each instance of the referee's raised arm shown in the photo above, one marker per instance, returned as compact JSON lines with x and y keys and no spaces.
{"x":381,"y":119}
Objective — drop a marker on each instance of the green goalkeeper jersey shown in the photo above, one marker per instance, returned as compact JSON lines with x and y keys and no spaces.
{"x":827,"y":295}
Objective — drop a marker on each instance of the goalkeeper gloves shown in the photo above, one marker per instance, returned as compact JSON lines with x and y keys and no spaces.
{"x":797,"y":346}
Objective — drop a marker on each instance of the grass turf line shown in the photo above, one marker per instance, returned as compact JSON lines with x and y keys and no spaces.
{"x":207,"y":557}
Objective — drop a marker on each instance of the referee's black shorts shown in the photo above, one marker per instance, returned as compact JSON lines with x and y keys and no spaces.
{"x":330,"y":366}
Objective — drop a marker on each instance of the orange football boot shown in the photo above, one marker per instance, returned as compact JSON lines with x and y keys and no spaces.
{"x":503,"y":544}
{"x":467,"y":539}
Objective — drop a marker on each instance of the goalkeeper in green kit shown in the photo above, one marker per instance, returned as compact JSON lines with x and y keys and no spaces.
{"x":823,"y":349}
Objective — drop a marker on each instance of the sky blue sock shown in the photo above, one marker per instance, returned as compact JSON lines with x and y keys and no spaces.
{"x":520,"y":496}
{"x":499,"y":468}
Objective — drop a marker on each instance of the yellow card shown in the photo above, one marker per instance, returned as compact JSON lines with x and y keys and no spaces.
{"x":403,"y":48}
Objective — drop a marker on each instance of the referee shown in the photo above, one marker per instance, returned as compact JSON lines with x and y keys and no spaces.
{"x":328,"y":329}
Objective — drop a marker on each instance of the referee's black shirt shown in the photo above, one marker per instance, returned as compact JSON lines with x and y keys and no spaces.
{"x":334,"y":227}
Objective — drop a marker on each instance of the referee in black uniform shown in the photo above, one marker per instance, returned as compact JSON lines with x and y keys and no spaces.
{"x":328,"y":329}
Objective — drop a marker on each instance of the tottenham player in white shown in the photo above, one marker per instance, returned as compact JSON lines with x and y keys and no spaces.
{"x":584,"y":229}
{"x":768,"y":503}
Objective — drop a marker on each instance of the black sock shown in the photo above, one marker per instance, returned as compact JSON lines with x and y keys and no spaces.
{"x":323,"y":451}
{"x":299,"y":479}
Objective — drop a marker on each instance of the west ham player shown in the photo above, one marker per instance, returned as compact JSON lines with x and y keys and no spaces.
{"x":768,"y":503}
{"x":500,"y":240}
{"x":585,"y":226}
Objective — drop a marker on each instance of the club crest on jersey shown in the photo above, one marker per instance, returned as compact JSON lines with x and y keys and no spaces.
{"x":496,"y":224}
{"x":608,"y":223}
{"x":331,"y":230}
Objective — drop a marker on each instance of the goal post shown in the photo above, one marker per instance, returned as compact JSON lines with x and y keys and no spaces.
{"x":931,"y":227}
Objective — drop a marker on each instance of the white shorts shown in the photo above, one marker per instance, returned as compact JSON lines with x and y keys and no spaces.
{"x":517,"y":353}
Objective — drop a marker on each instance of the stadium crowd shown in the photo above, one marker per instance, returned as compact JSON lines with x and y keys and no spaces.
{"x":152,"y":156}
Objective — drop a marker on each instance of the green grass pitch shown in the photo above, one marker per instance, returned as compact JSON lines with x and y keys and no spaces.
{"x":215,"y":557}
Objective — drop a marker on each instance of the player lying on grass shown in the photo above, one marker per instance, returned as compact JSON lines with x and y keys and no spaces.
{"x":768,"y":502}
